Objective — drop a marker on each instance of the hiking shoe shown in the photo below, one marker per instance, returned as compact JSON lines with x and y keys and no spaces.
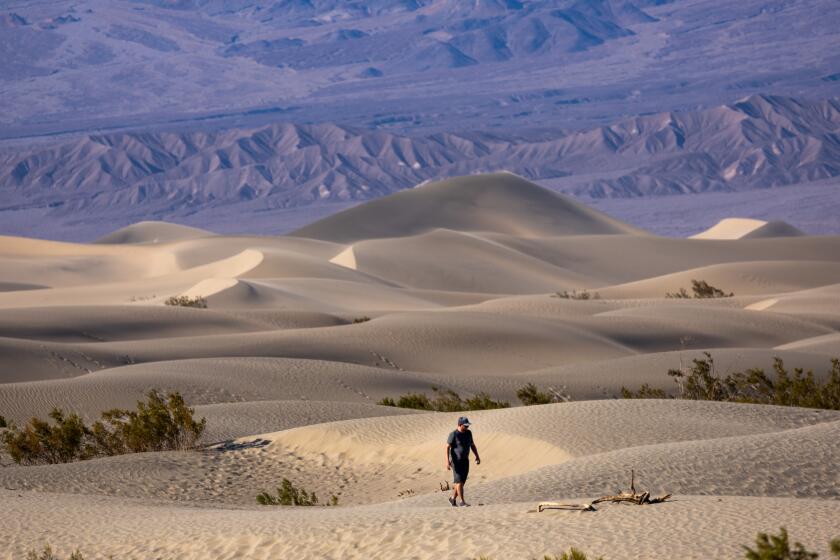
{"x":462,"y":504}
{"x":452,"y":501}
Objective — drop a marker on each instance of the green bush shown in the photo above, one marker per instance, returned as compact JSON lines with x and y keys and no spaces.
{"x":445,"y":400}
{"x":40,"y":442}
{"x":198,"y":302}
{"x":290,"y":495}
{"x":701,"y":290}
{"x":529,"y":395}
{"x":644,"y":392}
{"x":574,"y":294}
{"x":159,"y":424}
{"x":800,"y":388}
{"x":777,"y":547}
{"x":572,"y":554}
{"x":47,"y":554}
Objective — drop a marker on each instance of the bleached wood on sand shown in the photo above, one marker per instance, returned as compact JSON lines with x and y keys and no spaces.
{"x":632,"y":497}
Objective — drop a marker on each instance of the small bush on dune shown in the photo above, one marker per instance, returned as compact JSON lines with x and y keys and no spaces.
{"x":3,"y":423}
{"x":445,"y":400}
{"x":701,"y":382}
{"x":644,"y":392}
{"x":47,"y":554}
{"x":159,"y":424}
{"x":529,"y":395}
{"x":574,"y":294}
{"x":290,"y":495}
{"x":777,"y":547}
{"x":41,"y":442}
{"x":199,"y":302}
{"x":572,"y":554}
{"x":701,"y":290}
{"x":483,"y":401}
{"x":358,"y":320}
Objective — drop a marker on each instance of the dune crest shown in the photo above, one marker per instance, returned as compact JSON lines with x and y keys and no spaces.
{"x":746,"y":228}
{"x":496,"y":202}
{"x":152,"y":233}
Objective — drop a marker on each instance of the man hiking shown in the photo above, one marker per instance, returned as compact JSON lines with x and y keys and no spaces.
{"x":458,"y":447}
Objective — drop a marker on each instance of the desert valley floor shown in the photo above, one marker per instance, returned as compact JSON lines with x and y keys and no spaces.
{"x":459,"y":279}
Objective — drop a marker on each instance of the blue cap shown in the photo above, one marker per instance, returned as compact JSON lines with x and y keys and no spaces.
{"x":463,"y":421}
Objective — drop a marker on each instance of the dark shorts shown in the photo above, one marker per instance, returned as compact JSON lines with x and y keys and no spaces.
{"x":460,"y":470}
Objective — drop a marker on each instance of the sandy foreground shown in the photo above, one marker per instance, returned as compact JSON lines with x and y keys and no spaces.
{"x":458,"y":280}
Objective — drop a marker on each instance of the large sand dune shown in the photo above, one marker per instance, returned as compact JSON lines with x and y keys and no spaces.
{"x":452,"y":285}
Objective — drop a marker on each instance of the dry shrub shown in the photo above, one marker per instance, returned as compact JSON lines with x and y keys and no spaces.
{"x":290,"y":495}
{"x":159,"y":424}
{"x":444,"y":400}
{"x":701,"y":290}
{"x":198,"y":302}
{"x":701,"y":382}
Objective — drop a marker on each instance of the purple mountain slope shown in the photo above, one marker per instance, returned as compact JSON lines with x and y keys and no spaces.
{"x":756,"y":143}
{"x":189,"y":110}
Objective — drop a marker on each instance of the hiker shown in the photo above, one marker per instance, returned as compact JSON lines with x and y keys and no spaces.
{"x":458,"y":447}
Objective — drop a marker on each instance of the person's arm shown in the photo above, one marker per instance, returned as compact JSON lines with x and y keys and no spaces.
{"x":448,"y":459}
{"x":475,"y":450}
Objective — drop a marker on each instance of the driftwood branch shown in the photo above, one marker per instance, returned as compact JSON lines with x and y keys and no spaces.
{"x":631,"y":497}
{"x":569,"y":507}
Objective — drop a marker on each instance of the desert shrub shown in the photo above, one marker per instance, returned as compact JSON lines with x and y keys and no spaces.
{"x":358,"y":320}
{"x":3,"y":423}
{"x":444,"y":400}
{"x":701,"y":290}
{"x":701,"y":382}
{"x":679,"y":294}
{"x":290,"y":495}
{"x":777,"y":547}
{"x":41,"y":442}
{"x":417,"y":401}
{"x":198,"y":302}
{"x":530,"y":395}
{"x":47,"y":554}
{"x":159,"y":424}
{"x":835,"y":547}
{"x":572,"y":554}
{"x":483,"y":401}
{"x":644,"y":392}
{"x":574,"y":294}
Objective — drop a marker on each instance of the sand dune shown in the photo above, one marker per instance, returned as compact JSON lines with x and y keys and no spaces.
{"x":470,"y":285}
{"x":152,"y":232}
{"x":745,"y":228}
{"x":743,"y":278}
{"x":499,"y":202}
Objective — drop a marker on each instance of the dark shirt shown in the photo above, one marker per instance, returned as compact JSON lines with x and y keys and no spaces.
{"x":460,"y":444}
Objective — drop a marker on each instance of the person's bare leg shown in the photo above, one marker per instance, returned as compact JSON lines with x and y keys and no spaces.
{"x":461,"y":492}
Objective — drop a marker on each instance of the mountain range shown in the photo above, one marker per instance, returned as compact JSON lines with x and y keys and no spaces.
{"x":188,"y":110}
